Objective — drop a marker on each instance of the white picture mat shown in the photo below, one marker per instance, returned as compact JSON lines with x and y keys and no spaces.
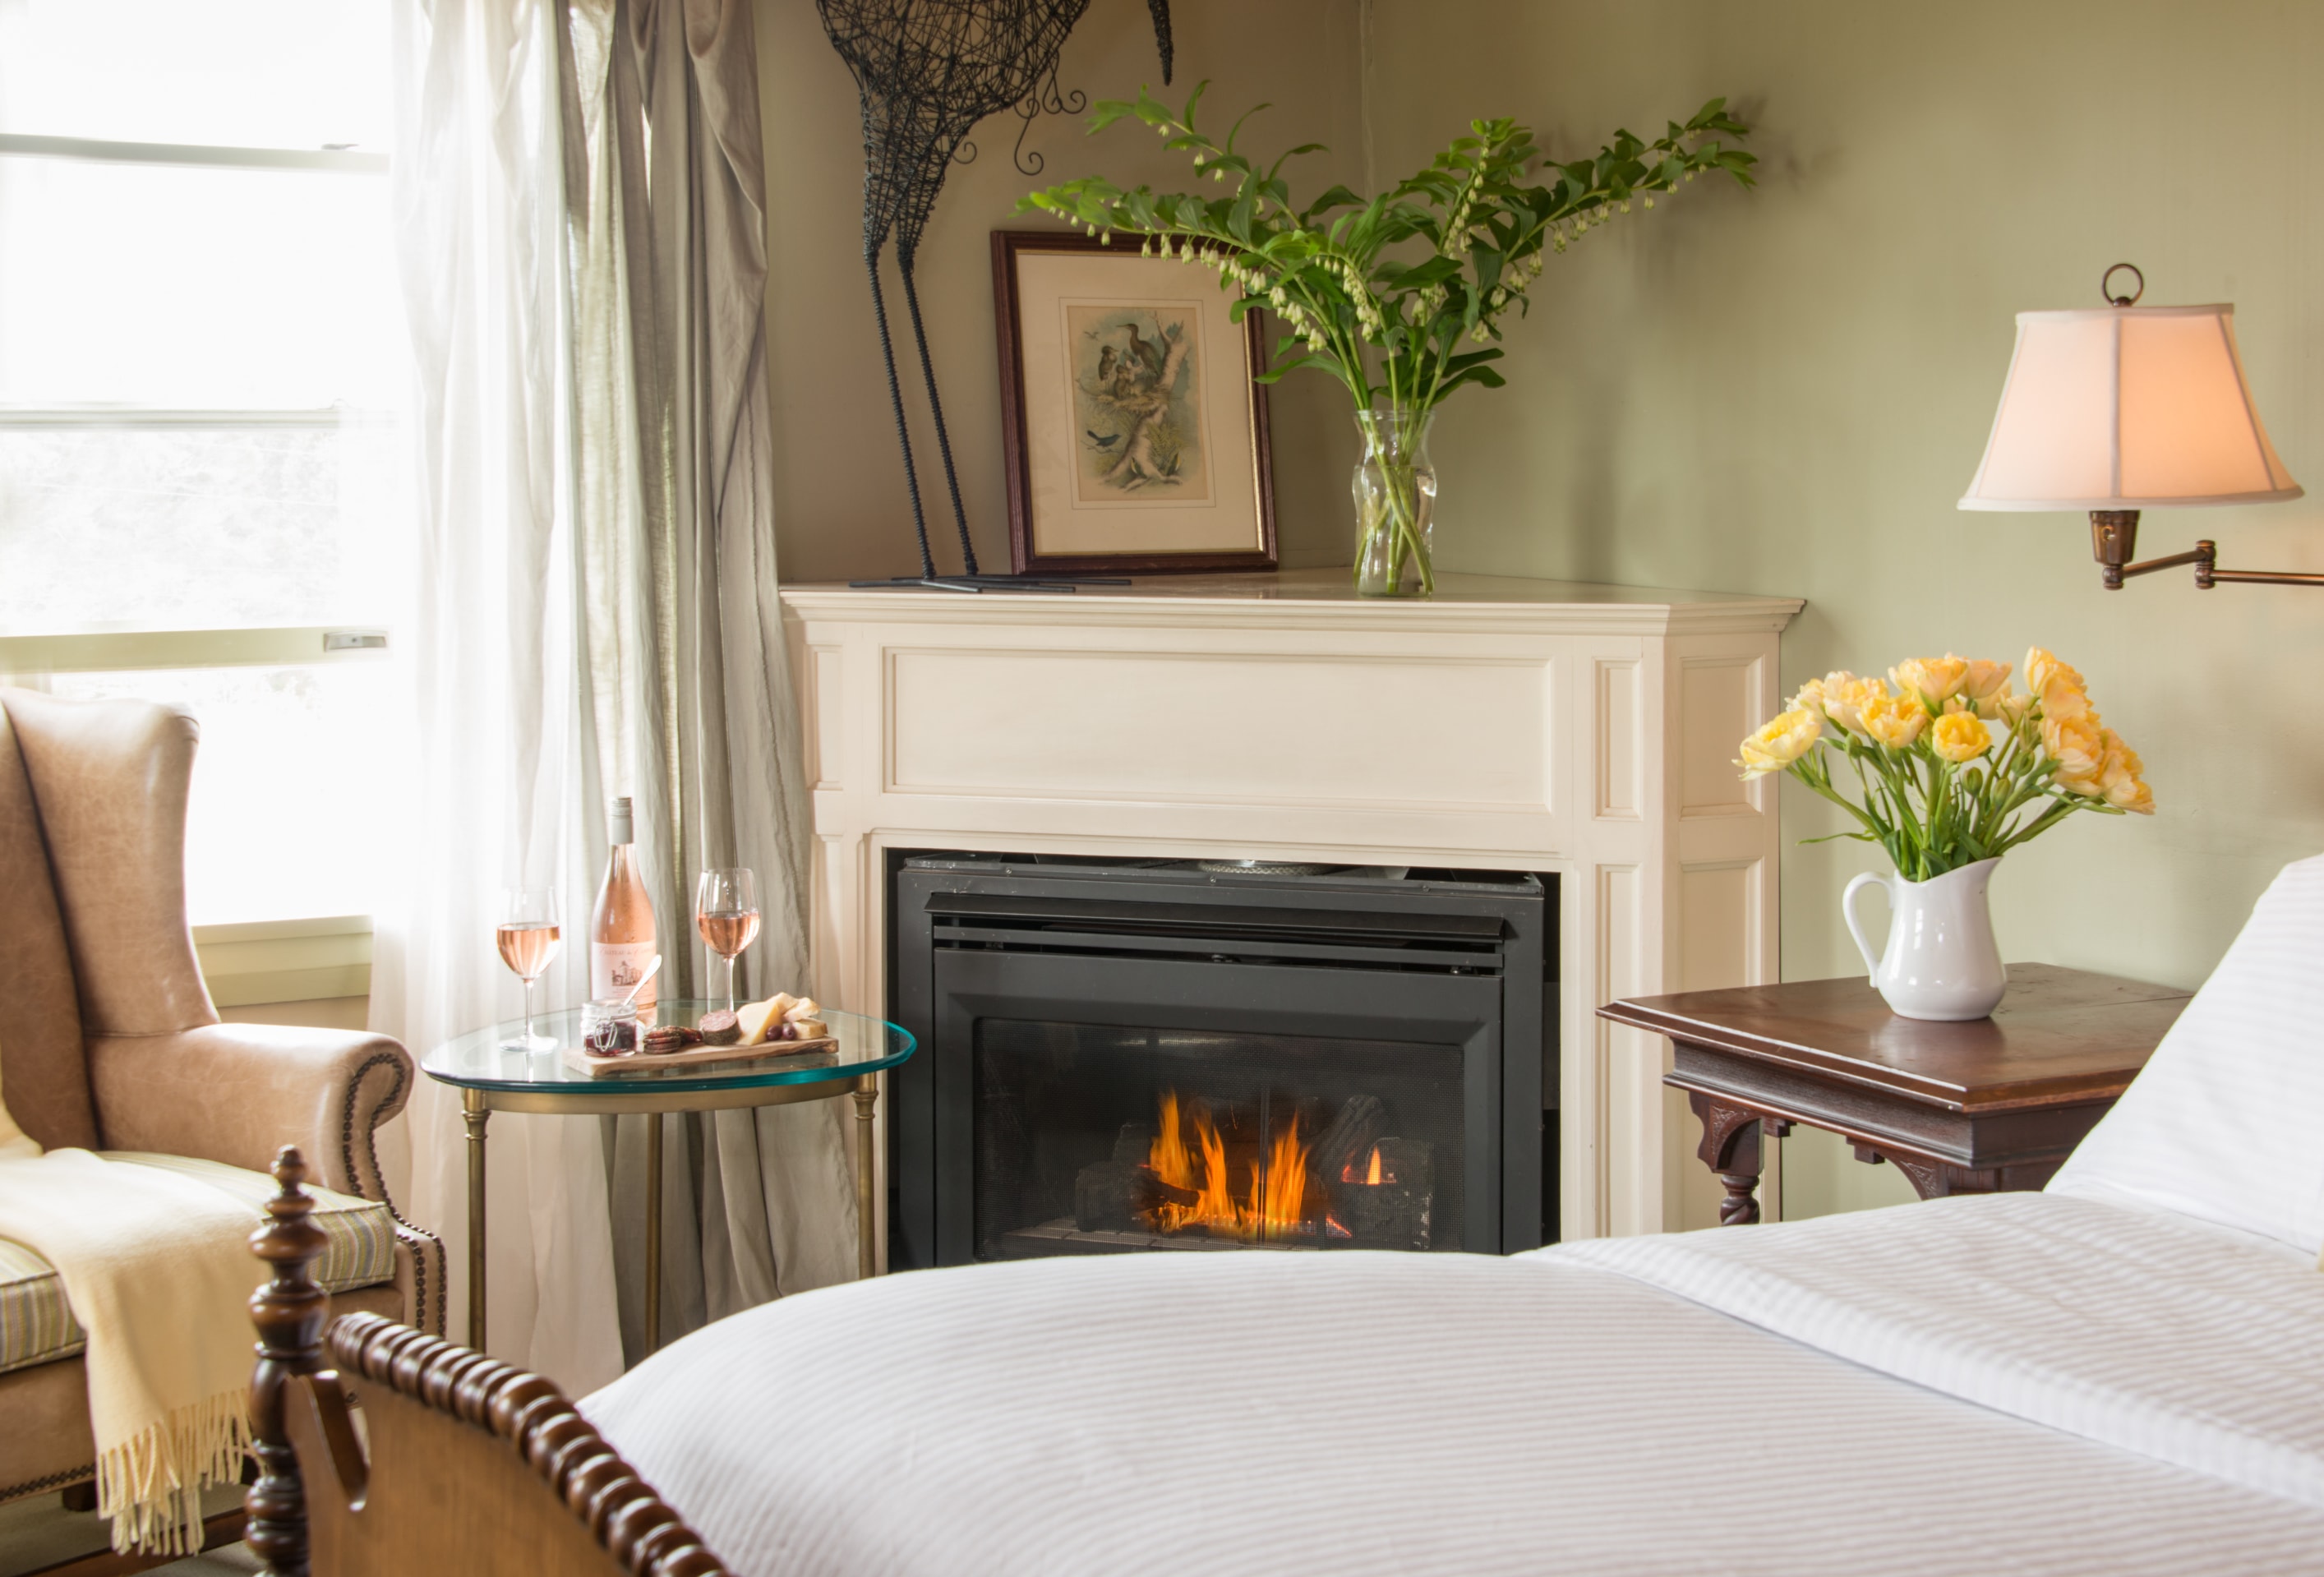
{"x":1229,"y":522}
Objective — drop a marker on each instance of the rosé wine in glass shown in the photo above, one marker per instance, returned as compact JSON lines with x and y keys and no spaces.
{"x":529,"y":936}
{"x":726,"y":913}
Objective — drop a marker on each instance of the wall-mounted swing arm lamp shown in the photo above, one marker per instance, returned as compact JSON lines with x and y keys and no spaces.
{"x":2125,"y":408}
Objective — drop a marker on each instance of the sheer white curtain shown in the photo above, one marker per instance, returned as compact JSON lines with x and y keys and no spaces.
{"x":499,"y":791}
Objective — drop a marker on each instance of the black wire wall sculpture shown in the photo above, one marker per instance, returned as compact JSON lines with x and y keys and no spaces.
{"x":928,"y":71}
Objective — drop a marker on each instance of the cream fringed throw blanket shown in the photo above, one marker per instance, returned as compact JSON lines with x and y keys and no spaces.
{"x":168,"y":1371}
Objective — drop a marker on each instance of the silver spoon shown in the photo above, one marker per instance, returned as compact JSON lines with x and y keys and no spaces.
{"x":651,"y":971}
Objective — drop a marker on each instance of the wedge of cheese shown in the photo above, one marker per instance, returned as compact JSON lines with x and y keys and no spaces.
{"x":809,"y":1029}
{"x":803,"y":1007}
{"x":754,"y":1019}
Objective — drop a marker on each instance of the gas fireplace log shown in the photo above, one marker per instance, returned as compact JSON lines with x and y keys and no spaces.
{"x":1384,"y":1215}
{"x":1109,"y":1195}
{"x":1101,"y":1197}
{"x":1147,"y":1191}
{"x":1349,"y":1140}
{"x":1134,"y":1145}
{"x":1396,"y":1212}
{"x":1410,"y":1161}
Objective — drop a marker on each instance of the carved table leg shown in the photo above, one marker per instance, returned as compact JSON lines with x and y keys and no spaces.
{"x":653,"y":1233}
{"x":867,"y":1097}
{"x":474,"y":1113}
{"x":1730,"y":1148}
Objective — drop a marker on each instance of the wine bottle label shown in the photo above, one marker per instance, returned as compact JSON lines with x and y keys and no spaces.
{"x":615,"y":966}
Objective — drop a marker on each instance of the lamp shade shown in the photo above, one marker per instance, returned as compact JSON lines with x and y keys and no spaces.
{"x":2124,"y":408}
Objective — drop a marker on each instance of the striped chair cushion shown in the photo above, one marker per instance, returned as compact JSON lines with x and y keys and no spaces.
{"x":36,"y":1323}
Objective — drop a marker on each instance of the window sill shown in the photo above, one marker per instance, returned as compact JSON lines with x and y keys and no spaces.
{"x":285,"y":961}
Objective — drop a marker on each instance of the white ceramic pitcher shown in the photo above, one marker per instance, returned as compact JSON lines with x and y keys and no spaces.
{"x":1942,"y":961}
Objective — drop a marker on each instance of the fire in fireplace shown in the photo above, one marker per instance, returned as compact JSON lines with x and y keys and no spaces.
{"x":1121,"y":1057}
{"x":1193,"y":1171}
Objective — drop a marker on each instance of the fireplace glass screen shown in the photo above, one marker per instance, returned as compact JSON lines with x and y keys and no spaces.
{"x":1099,"y":1139}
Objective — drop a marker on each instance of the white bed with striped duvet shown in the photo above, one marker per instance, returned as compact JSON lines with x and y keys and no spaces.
{"x":2124,"y":1375}
{"x":2029,"y":1384}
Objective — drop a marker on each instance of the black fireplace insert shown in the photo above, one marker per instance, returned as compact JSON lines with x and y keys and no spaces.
{"x":1129,"y":1055}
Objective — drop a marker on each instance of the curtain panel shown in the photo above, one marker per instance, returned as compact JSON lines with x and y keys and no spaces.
{"x":689,"y":700}
{"x":582,"y":241}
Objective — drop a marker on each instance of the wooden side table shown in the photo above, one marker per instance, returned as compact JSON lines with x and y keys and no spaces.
{"x":1985,"y":1107}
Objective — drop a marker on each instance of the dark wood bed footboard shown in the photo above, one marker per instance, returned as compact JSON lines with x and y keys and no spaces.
{"x":462,"y":1463}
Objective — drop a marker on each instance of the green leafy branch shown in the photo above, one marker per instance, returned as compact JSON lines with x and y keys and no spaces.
{"x":1390,"y":328}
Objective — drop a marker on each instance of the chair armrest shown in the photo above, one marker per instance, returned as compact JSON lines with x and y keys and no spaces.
{"x":419,"y":1277}
{"x":238,"y":1092}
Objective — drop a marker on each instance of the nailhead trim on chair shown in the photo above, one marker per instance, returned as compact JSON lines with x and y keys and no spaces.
{"x":348,"y":1124}
{"x":64,"y":1481}
{"x":419,"y":1238}
{"x":421,"y":1241}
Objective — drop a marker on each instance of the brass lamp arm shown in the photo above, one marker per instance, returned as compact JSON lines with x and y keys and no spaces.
{"x":2114,"y":538}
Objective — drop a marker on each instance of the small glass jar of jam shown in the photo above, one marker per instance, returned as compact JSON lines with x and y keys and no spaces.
{"x":609,"y":1027}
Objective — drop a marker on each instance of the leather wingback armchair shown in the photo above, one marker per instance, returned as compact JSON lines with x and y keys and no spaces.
{"x":107,"y":1036}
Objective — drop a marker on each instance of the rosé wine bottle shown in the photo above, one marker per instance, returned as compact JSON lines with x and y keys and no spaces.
{"x":622,"y":928}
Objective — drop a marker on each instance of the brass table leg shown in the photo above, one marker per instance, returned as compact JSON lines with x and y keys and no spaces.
{"x":867,"y":1097}
{"x":654,"y":1231}
{"x":473,"y":1114}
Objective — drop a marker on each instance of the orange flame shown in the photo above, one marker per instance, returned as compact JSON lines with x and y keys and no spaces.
{"x":1271,"y":1209}
{"x":1374,"y":1174}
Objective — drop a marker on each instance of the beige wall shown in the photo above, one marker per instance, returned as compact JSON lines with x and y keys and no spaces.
{"x":1784,"y":391}
{"x":838,"y":475}
{"x":1777,"y":391}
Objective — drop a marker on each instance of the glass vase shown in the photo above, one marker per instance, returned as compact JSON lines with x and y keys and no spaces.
{"x":1394,"y":489}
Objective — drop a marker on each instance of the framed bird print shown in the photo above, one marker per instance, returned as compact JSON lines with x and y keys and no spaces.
{"x":1135,"y":441}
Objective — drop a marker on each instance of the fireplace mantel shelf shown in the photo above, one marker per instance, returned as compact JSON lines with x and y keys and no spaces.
{"x":1471,"y":602}
{"x":1582,"y":733}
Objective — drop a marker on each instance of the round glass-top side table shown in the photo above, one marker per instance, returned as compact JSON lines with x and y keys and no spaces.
{"x":494,"y":1077}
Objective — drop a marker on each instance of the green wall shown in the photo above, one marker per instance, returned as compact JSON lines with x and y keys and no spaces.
{"x":1784,"y":391}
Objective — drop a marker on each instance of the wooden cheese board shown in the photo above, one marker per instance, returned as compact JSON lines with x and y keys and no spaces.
{"x":699,"y":1059}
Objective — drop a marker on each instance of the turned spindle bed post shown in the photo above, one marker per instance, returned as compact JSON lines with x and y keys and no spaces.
{"x":288,"y":1312}
{"x":470,"y":1465}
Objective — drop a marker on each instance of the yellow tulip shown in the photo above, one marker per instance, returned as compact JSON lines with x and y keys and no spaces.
{"x":1779,"y":743}
{"x":1935,"y":680}
{"x":2119,"y":780}
{"x":1958,"y":737}
{"x":1895,"y":721}
{"x":1838,"y":697}
{"x":2042,"y":665}
{"x":2065,"y":700}
{"x":1984,"y":679}
{"x":2078,"y":748}
{"x":1983,"y":687}
{"x":1810,"y":695}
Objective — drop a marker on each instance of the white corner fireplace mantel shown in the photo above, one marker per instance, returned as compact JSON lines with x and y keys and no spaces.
{"x":1583,"y":732}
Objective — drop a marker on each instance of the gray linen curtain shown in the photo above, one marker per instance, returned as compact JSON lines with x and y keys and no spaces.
{"x":687,"y":702}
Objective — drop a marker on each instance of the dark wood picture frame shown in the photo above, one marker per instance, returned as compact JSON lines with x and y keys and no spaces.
{"x":1008,"y":246}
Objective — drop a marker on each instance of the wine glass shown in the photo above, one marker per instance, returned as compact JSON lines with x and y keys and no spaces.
{"x":530,"y":935}
{"x":726,"y":913}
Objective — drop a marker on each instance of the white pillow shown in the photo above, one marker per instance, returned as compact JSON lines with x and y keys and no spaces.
{"x":2227,"y":1122}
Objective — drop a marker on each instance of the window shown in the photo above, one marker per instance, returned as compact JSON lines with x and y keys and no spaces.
{"x":202,"y":494}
